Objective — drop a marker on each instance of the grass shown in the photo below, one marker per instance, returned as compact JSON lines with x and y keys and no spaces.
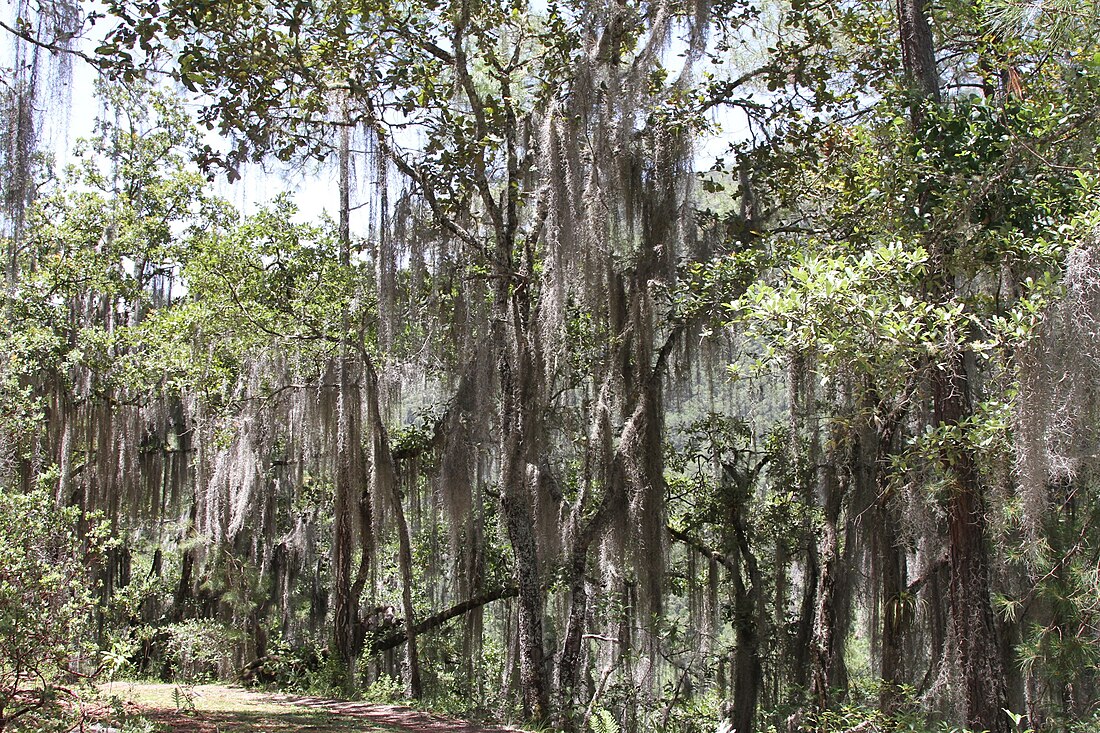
{"x":227,"y":709}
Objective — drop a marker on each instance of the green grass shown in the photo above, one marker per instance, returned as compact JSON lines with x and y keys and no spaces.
{"x":227,"y":709}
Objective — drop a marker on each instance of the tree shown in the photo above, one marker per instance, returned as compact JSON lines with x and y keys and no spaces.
{"x":722,"y":472}
{"x":975,"y":199}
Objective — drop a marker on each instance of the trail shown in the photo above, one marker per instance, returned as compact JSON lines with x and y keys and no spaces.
{"x":398,"y":717}
{"x":226,"y":709}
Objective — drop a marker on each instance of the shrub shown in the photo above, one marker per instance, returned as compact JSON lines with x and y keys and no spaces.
{"x":200,"y":649}
{"x":45,"y":605}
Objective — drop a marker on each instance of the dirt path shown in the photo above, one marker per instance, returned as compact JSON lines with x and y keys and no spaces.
{"x":225,"y":709}
{"x":396,"y":717}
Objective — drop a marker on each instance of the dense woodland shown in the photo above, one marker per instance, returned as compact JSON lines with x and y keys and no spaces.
{"x":664,"y":365}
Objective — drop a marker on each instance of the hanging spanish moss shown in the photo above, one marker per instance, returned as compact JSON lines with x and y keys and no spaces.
{"x":37,"y":81}
{"x":1057,"y":403}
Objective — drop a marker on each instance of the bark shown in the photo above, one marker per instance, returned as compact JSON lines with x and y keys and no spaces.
{"x":750,"y":612}
{"x":396,"y":639}
{"x":802,"y":647}
{"x":520,"y":528}
{"x":569,"y":664}
{"x":749,"y":615}
{"x":388,"y":483}
{"x":798,"y":650}
{"x":917,"y":52}
{"x":897,"y":611}
{"x":969,"y":588}
{"x":827,"y":651}
{"x":343,"y":606}
{"x":749,"y":601}
{"x":412,"y":656}
{"x":642,"y":425}
{"x":935,"y":609}
{"x":702,"y":549}
{"x":514,"y":340}
{"x":344,"y":601}
{"x":520,"y":410}
{"x":181,"y":599}
{"x":517,"y":418}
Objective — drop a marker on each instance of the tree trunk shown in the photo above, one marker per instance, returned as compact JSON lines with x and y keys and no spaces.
{"x":827,"y":650}
{"x":569,"y":669}
{"x":569,"y":665}
{"x":412,"y":656}
{"x":747,"y":671}
{"x":387,"y":483}
{"x":344,"y":602}
{"x":750,"y":611}
{"x":436,"y":620}
{"x":517,"y":426}
{"x":875,"y":450}
{"x":917,"y":52}
{"x":969,"y":589}
{"x":895,"y":610}
{"x":520,"y":527}
{"x":515,"y":340}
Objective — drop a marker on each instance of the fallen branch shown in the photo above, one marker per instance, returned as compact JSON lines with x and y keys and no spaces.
{"x":397,"y":638}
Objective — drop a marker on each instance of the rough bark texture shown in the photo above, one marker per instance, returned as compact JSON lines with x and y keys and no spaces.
{"x":397,"y":638}
{"x":827,"y":672}
{"x":896,"y":603}
{"x":517,"y":417}
{"x":750,"y":613}
{"x":969,"y":588}
{"x":345,"y":603}
{"x":387,"y":482}
{"x":412,"y":656}
{"x":530,"y":629}
{"x":917,"y":51}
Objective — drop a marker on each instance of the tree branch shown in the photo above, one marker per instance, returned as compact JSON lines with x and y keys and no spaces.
{"x":701,"y":548}
{"x":51,"y":47}
{"x":914,"y":587}
{"x":397,"y":638}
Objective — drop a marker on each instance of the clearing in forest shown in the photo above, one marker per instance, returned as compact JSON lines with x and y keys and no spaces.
{"x":226,"y":709}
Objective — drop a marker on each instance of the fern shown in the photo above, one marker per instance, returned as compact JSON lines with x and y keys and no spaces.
{"x":603,"y":722}
{"x":183,"y":699}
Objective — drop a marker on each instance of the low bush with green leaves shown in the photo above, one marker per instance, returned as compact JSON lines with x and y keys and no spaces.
{"x":46,"y":604}
{"x":198,"y":649}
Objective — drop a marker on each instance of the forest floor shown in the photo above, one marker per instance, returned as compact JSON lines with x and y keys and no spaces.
{"x":228,"y":709}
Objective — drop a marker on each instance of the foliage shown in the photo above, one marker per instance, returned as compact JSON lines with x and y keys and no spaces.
{"x":46,"y":605}
{"x":289,"y":667}
{"x":199,"y":649}
{"x":694,"y":714}
{"x":184,"y":699}
{"x":602,"y":721}
{"x":127,"y":720}
{"x":385,"y":689}
{"x":250,"y":283}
